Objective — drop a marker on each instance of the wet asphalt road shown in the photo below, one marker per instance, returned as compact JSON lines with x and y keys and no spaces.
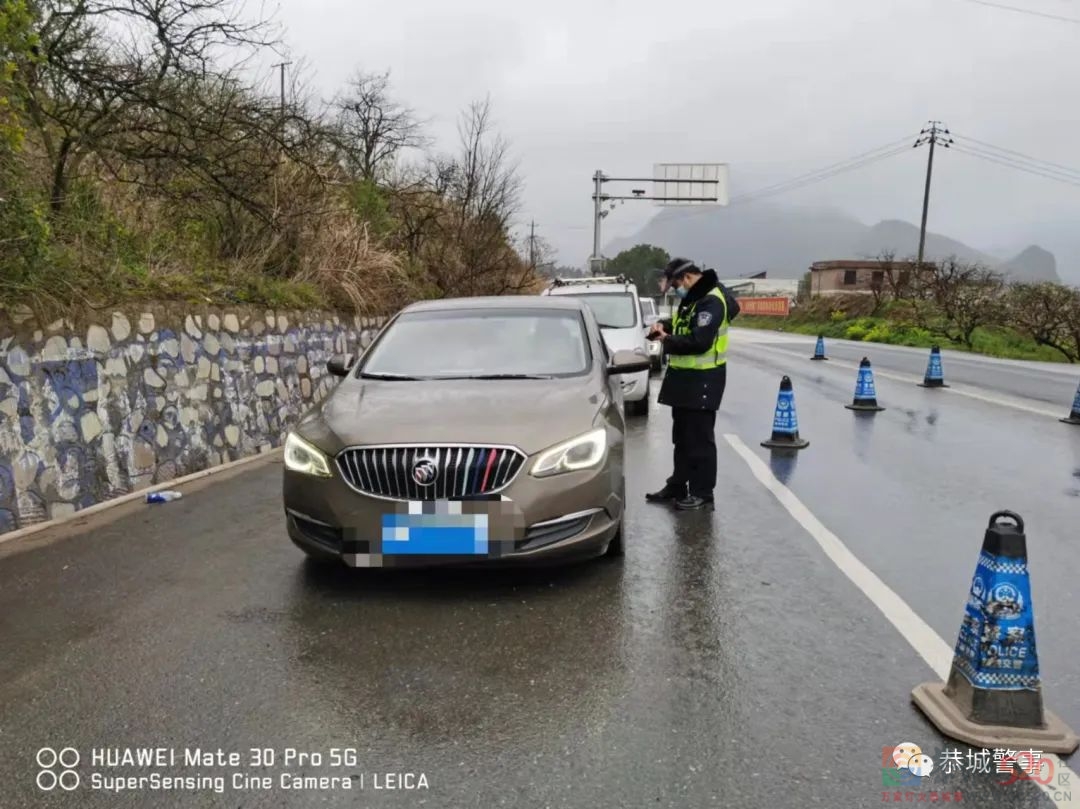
{"x":1045,"y":383}
{"x":724,"y":662}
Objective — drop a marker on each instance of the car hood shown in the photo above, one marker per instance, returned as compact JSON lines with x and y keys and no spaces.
{"x":529,"y":414}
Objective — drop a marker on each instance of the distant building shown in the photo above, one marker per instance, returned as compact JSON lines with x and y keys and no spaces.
{"x":863,"y":275}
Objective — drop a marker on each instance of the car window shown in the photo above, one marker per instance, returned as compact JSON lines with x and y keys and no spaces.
{"x":613,"y":310}
{"x":648,"y":308}
{"x":470,"y":343}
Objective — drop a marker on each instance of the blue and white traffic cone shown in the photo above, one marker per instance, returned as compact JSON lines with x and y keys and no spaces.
{"x":819,"y":349}
{"x":865,"y":390}
{"x":785,"y":431}
{"x":1074,"y":416}
{"x":935,"y":376}
{"x":993,"y":697}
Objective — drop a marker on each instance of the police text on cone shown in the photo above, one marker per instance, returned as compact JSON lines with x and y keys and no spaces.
{"x":935,"y":375}
{"x":865,"y":390}
{"x":785,"y":431}
{"x":993,"y":697}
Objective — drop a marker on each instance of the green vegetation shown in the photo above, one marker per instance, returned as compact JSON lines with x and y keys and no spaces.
{"x":1026,"y":322}
{"x":135,"y":164}
{"x":640,"y":264}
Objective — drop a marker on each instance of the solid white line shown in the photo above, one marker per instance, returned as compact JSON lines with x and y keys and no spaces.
{"x":923,"y":639}
{"x":958,"y":390}
{"x":1033,"y":367}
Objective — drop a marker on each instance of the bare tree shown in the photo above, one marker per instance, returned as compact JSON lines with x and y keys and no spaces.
{"x":110,"y":68}
{"x":479,"y":191}
{"x":372,"y":129}
{"x":967,"y":296}
{"x":1049,"y":313}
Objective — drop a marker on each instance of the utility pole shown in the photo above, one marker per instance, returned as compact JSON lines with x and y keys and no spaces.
{"x":933,"y":136}
{"x":283,"y":65}
{"x":532,"y":245}
{"x":600,"y":199}
{"x":598,"y":180}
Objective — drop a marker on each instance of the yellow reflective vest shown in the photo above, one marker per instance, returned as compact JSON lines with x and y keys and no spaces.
{"x":716,"y":355}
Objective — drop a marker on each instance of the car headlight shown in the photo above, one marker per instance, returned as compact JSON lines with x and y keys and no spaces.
{"x":583,"y":452}
{"x":654,"y":347}
{"x":300,"y":456}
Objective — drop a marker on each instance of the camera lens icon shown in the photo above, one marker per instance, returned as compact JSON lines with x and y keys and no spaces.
{"x":49,"y":759}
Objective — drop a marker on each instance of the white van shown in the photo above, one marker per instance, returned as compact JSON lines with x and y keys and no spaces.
{"x":615,"y":302}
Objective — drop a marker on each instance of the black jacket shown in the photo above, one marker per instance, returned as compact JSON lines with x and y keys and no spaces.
{"x":692,"y":388}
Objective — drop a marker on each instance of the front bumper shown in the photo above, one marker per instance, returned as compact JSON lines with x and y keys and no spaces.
{"x":533,"y":520}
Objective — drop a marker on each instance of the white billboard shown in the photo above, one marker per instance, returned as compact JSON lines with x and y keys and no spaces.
{"x":690,"y":183}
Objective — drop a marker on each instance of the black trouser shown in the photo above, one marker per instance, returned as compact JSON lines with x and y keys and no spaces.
{"x":693,"y":432}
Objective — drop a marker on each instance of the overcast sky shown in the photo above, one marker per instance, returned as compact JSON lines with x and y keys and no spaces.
{"x":775,"y":88}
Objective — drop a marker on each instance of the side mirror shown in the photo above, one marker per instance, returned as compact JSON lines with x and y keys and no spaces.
{"x":629,"y":362}
{"x":340,"y":364}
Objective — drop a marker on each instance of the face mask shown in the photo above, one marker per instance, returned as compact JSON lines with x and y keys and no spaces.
{"x":681,"y":292}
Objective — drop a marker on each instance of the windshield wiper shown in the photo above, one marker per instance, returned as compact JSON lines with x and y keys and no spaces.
{"x":391,"y":377}
{"x":500,"y":376}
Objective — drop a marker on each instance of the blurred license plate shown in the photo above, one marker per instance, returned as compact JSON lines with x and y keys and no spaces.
{"x":435,"y":534}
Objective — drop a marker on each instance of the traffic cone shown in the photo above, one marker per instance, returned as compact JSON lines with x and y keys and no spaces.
{"x":865,"y":390}
{"x":785,"y":430}
{"x":1074,"y":416}
{"x":819,"y":349}
{"x":993,"y":697}
{"x":935,"y":376}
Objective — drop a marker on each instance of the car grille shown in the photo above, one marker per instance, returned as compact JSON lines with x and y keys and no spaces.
{"x":455,"y":471}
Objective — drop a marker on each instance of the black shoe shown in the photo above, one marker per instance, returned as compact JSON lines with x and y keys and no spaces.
{"x":665,"y":495}
{"x":694,"y":503}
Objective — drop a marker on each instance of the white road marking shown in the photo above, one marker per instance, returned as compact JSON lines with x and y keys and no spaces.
{"x":1016,"y":366}
{"x":959,"y":390}
{"x":921,"y":636}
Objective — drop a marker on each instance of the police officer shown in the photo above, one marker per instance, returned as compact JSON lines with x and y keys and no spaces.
{"x":695,"y":342}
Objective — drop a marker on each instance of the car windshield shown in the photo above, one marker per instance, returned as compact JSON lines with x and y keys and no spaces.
{"x":613,"y":310}
{"x":480,"y":343}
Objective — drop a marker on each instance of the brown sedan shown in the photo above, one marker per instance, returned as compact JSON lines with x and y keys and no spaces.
{"x":473,"y":430}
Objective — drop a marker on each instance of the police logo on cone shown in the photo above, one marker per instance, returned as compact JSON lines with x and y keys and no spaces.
{"x":819,"y":349}
{"x":865,"y":390}
{"x":785,"y":431}
{"x":935,"y":376}
{"x":993,"y":697}
{"x":1074,"y":416}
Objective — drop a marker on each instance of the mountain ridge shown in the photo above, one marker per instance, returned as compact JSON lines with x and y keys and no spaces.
{"x":785,"y":241}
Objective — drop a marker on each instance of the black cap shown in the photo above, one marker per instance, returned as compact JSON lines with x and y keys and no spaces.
{"x":677,"y":267}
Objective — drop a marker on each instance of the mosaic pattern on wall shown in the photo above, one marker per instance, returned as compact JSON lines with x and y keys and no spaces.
{"x":132,"y":399}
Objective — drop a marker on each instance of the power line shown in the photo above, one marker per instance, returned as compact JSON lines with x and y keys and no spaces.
{"x":1027,"y":158}
{"x":754,"y":196}
{"x":1032,"y":12}
{"x":1016,"y":165}
{"x":829,"y":168}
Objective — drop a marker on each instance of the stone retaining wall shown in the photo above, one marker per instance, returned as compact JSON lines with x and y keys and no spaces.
{"x":122,"y":400}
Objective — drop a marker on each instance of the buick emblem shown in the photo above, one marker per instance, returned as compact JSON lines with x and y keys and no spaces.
{"x":424,"y":471}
